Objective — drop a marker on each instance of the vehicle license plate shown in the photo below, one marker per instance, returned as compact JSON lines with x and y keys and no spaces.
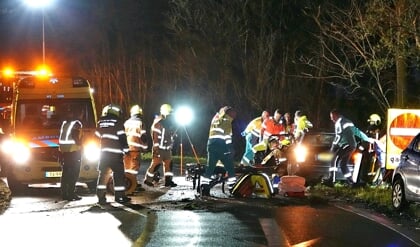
{"x":55,"y":174}
{"x":325,"y":157}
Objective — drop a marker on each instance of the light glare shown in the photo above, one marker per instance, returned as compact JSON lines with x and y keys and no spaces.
{"x":37,"y":3}
{"x":183,"y":115}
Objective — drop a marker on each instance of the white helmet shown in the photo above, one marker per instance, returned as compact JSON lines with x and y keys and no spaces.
{"x":111,"y":109}
{"x":136,"y":110}
{"x":374,"y":119}
{"x":165,"y":109}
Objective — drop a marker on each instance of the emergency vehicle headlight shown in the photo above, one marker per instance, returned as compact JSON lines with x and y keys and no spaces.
{"x":300,"y":153}
{"x":91,"y":151}
{"x":17,"y":150}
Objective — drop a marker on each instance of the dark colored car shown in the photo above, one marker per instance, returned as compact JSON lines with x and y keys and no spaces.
{"x":318,"y":157}
{"x":406,"y":176}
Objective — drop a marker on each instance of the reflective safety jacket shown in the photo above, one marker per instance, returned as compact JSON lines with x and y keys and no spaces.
{"x":112,"y":135}
{"x":162,"y":134}
{"x":70,"y":136}
{"x":344,"y":133}
{"x":302,"y":124}
{"x":136,"y":138}
{"x":221,"y":128}
{"x":254,"y":127}
{"x":271,"y":127}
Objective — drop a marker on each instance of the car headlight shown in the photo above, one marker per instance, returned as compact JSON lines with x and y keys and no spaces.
{"x":300,"y":153}
{"x":91,"y":151}
{"x":17,"y":150}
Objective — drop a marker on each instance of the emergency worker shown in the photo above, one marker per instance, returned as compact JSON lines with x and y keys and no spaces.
{"x":252,"y":135}
{"x":113,"y":142}
{"x":302,"y":125}
{"x":162,"y":138}
{"x":219,"y":145}
{"x":70,"y":146}
{"x":268,"y":154}
{"x":136,"y":139}
{"x":272,"y":126}
{"x":343,"y":146}
{"x":377,"y":149}
{"x":288,"y":124}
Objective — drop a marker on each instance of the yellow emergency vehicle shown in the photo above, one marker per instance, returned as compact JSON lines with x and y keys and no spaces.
{"x":38,"y":108}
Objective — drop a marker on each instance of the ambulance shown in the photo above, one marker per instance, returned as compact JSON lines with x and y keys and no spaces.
{"x":38,"y":107}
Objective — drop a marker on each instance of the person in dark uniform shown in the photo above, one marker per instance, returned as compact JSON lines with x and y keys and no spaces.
{"x":113,"y":141}
{"x":70,"y":146}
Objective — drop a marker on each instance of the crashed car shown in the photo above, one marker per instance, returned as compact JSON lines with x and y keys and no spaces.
{"x":318,"y":158}
{"x":406,"y":176}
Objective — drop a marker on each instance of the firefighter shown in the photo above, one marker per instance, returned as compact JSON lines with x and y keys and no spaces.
{"x":252,"y":134}
{"x":162,"y":138}
{"x":136,"y":140}
{"x":113,"y":141}
{"x":272,"y":126}
{"x":302,"y":125}
{"x":219,"y":145}
{"x":70,"y":146}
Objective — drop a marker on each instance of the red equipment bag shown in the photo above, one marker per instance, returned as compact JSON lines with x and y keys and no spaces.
{"x":253,"y":185}
{"x":293,"y":186}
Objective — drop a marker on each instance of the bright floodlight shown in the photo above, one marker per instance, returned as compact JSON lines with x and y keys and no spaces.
{"x":183,"y":115}
{"x":38,"y":3}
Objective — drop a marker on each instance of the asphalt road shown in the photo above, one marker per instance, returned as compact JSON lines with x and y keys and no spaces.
{"x":176,"y":217}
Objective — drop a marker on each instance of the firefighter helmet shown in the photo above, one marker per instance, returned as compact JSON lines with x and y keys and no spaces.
{"x":165,"y":109}
{"x":111,"y":109}
{"x":374,"y":119}
{"x":136,"y":110}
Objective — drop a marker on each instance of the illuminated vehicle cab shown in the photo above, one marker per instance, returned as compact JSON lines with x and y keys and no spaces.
{"x":38,"y":108}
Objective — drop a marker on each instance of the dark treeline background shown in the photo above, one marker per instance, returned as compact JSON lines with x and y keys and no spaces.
{"x":361,"y":57}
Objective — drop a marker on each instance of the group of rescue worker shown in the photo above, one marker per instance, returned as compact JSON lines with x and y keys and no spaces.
{"x":264,"y":129}
{"x":121,"y":145}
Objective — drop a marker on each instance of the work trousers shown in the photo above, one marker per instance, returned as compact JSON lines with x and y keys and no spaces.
{"x":217,"y":149}
{"x":111,"y":162}
{"x":70,"y":172}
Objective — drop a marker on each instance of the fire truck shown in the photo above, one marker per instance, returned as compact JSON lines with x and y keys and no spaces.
{"x":37,"y":111}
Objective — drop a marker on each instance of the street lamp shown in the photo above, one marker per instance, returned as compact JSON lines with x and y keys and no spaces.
{"x":40,"y":4}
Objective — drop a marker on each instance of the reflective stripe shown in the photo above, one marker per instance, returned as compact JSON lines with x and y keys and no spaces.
{"x":134,"y":172}
{"x":149,"y":174}
{"x":333,"y":169}
{"x":101,"y":187}
{"x":112,"y":150}
{"x":110,"y":136}
{"x":169,"y":174}
{"x":119,"y":188}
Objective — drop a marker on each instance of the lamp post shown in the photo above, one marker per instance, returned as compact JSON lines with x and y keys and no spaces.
{"x":40,"y":4}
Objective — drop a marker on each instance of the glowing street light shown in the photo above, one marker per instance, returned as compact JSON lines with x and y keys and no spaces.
{"x":40,"y":4}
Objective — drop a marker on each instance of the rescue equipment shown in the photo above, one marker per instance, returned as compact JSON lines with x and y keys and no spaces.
{"x":253,"y":184}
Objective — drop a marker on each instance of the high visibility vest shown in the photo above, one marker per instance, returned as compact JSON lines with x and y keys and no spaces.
{"x":221,"y":128}
{"x":66,"y":142}
{"x":134,"y":131}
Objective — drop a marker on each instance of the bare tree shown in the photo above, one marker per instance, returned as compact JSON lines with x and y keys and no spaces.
{"x":356,"y":54}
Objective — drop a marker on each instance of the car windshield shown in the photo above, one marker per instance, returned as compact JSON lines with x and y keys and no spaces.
{"x":319,"y":139}
{"x":49,"y":114}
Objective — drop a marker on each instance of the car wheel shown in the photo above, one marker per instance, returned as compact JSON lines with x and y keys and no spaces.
{"x":398,"y":197}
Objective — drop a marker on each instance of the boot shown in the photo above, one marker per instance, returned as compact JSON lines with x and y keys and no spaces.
{"x":148,"y":181}
{"x":169,"y":182}
{"x":120,"y":197}
{"x":101,"y":196}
